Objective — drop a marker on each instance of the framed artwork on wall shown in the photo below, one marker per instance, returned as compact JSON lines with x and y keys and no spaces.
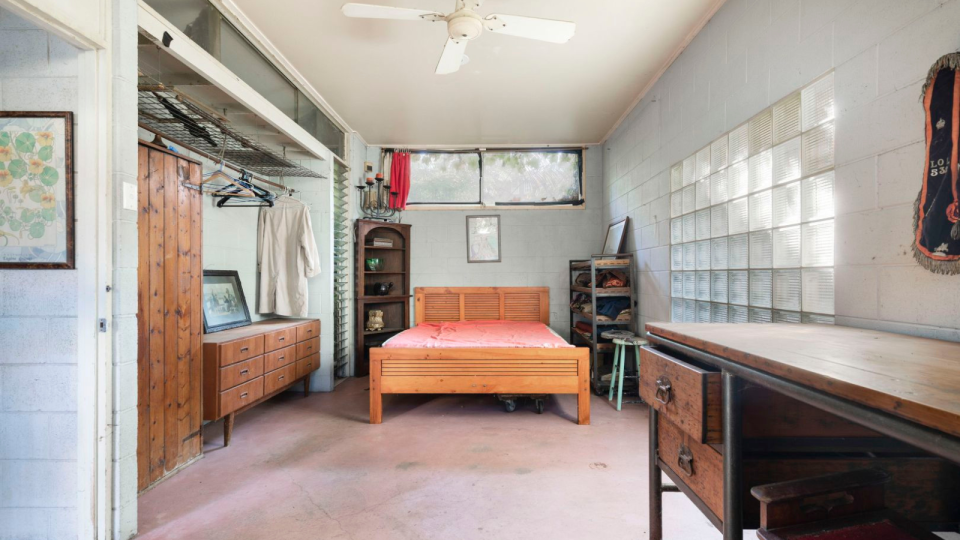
{"x":224,"y":306}
{"x":36,"y":190}
{"x":483,"y":239}
{"x":616,"y":236}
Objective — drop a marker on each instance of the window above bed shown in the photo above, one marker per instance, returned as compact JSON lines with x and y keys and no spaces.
{"x":501,"y":177}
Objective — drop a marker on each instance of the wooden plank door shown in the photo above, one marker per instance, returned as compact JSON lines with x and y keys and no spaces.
{"x":169,"y":317}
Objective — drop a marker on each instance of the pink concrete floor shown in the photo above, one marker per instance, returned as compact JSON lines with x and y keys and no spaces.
{"x":439,"y":467}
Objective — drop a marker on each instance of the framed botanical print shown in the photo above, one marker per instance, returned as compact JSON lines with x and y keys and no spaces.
{"x":224,"y":306}
{"x":483,"y":239}
{"x":36,"y":190}
{"x":616,"y":236}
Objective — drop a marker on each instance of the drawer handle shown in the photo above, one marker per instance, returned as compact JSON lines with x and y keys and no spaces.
{"x":244,"y":349}
{"x":244,"y":371}
{"x":282,"y":339}
{"x":280,"y":378}
{"x":281,"y":358}
{"x":664,"y":390}
{"x":243,"y":395}
{"x":685,"y":460}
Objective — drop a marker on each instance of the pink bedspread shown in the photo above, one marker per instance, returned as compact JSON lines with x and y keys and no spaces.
{"x":478,"y":335}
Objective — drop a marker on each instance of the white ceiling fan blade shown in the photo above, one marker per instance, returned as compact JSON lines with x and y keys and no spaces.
{"x":368,"y":11}
{"x":531,"y":28}
{"x":452,"y":56}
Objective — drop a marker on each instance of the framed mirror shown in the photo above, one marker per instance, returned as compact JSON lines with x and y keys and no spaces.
{"x":616,"y":237}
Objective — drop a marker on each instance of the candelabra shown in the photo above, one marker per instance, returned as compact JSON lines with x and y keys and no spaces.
{"x":375,"y":199}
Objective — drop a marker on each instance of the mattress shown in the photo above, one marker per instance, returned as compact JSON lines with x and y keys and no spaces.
{"x":478,"y":335}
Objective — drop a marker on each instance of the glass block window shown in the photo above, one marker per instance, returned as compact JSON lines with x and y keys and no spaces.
{"x":752,"y":236}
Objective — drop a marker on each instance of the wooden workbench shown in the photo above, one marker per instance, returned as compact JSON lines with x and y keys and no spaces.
{"x":903,"y":391}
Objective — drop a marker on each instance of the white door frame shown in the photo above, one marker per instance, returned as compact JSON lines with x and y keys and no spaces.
{"x":93,"y":211}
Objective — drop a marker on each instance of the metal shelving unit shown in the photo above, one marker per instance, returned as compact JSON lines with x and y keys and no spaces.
{"x":599,"y":348}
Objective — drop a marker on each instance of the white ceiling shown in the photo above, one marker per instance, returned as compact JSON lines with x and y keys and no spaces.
{"x":379,"y":75}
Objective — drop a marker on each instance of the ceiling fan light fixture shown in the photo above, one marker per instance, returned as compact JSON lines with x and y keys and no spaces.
{"x":467,"y":26}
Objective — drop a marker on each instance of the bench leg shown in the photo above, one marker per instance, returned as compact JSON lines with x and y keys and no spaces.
{"x":306,"y":385}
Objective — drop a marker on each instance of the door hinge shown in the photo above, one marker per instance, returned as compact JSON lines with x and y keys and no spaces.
{"x":102,"y":324}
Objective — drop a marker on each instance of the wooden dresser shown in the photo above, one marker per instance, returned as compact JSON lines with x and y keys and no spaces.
{"x":245,"y":366}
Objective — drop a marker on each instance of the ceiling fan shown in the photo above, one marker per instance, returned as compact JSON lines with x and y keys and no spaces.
{"x":465,"y":25}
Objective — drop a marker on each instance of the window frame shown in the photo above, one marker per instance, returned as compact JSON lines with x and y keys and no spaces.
{"x":578,"y":204}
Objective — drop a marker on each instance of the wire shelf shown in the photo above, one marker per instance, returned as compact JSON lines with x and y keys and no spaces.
{"x":172,"y":115}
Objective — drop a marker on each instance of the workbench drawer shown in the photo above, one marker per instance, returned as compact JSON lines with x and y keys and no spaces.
{"x":308,"y":365}
{"x":684,"y":393}
{"x":278,"y":359}
{"x":695,"y":465}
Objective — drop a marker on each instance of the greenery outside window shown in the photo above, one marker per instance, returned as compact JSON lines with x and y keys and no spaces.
{"x":501,"y":177}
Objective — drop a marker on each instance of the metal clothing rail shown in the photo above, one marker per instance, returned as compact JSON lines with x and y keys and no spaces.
{"x":172,"y":115}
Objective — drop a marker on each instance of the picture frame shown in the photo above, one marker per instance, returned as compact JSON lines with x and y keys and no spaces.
{"x":483,"y":239}
{"x":37,"y":223}
{"x":616,"y":237}
{"x":224,"y":306}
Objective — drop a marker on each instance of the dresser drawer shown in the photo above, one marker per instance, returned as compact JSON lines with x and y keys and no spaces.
{"x":308,"y":347}
{"x":240,"y":350}
{"x":308,"y":331}
{"x":308,"y":365}
{"x":279,"y":339}
{"x":686,"y":394}
{"x":240,"y":372}
{"x":277,"y":359}
{"x":279,"y":378}
{"x":241,"y":396}
{"x":696,"y":465}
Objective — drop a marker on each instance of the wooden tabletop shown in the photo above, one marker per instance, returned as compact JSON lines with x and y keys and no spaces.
{"x":915,"y":378}
{"x":259,"y":327}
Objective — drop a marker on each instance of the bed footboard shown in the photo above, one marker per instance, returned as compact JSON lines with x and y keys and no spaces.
{"x":480,"y":371}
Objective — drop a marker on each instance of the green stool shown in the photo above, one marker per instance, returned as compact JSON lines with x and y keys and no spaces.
{"x":622,"y":339}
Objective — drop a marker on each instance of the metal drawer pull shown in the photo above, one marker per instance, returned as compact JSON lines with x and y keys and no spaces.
{"x":244,"y":349}
{"x":280,"y":378}
{"x":664,"y":390}
{"x":281,"y":358}
{"x":243,"y":395}
{"x":685,"y":460}
{"x":282,"y":339}
{"x":244,"y":371}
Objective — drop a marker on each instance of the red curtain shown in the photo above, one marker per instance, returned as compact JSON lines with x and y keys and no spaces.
{"x":400,"y":180}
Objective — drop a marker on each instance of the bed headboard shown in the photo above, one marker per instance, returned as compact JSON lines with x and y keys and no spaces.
{"x":450,"y":304}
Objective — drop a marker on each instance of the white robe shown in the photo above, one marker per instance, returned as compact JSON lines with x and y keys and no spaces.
{"x":286,"y":256}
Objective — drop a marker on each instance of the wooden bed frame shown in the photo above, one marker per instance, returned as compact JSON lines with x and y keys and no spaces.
{"x":477,"y":370}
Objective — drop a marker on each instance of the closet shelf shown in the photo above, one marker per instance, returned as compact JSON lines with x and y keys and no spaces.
{"x":602,"y":264}
{"x":383,"y":299}
{"x":165,"y":111}
{"x":602,"y":347}
{"x":615,"y":291}
{"x":589,"y":317}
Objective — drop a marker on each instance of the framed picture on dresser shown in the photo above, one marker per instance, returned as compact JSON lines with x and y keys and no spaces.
{"x":224,"y":305}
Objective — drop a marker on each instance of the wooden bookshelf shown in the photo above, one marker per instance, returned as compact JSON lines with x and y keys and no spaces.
{"x":396,"y":269}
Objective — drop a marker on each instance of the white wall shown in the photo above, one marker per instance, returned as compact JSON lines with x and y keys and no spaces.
{"x":751,"y":54}
{"x":536,"y":245}
{"x":38,"y":324}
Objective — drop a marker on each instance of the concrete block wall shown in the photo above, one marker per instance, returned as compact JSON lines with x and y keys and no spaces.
{"x":536,"y":246}
{"x":750,"y":55}
{"x":38,"y":324}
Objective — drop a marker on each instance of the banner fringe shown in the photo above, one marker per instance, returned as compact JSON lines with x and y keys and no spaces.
{"x":946,"y":268}
{"x":947,"y":61}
